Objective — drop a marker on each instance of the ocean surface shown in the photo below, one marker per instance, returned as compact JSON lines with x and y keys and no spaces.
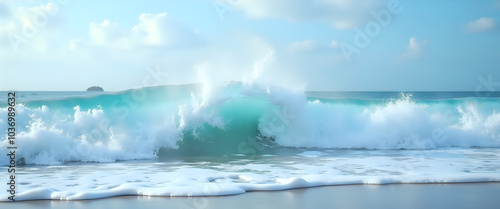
{"x":205,"y":140}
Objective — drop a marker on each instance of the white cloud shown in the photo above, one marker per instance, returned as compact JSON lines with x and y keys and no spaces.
{"x":105,"y":33}
{"x":159,"y":30}
{"x":414,"y":49}
{"x":157,"y":39}
{"x":413,"y":45}
{"x":25,"y":28}
{"x":311,"y":46}
{"x":153,"y":30}
{"x":75,"y":44}
{"x":341,"y":13}
{"x":480,"y":25}
{"x":298,"y":46}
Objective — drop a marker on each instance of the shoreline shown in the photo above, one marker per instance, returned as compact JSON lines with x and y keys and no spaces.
{"x":415,"y":195}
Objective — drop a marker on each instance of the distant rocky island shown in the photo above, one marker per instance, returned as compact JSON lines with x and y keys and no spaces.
{"x":95,"y":88}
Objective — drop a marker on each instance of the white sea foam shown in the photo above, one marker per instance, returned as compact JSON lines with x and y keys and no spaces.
{"x":53,"y":132}
{"x":396,"y":124}
{"x":204,"y":177}
{"x":51,"y":139}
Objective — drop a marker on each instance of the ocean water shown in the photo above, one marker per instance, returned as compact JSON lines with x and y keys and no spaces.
{"x":204,"y":140}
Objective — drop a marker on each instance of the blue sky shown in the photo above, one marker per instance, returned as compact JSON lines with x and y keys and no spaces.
{"x":423,"y":46}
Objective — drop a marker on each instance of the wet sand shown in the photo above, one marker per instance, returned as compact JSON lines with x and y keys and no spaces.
{"x":466,"y":195}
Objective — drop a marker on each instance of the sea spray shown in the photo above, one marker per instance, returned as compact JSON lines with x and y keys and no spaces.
{"x":195,"y":120}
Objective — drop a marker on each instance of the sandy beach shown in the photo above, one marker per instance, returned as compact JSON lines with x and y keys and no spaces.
{"x":466,"y":195}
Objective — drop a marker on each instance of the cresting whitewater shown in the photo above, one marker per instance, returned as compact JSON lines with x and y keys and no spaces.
{"x":235,"y":137}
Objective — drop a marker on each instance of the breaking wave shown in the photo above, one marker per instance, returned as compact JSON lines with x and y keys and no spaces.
{"x":236,"y":118}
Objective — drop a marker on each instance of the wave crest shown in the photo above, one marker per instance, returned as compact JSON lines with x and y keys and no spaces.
{"x":173,"y":120}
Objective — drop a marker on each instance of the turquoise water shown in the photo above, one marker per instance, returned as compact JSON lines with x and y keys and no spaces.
{"x":180,"y":140}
